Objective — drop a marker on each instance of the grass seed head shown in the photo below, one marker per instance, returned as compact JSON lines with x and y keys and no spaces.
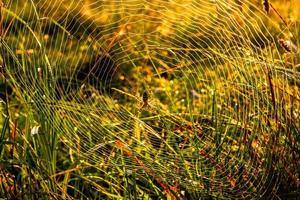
{"x":285,"y":45}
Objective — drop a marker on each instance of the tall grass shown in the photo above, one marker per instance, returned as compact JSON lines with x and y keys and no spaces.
{"x":221,"y":118}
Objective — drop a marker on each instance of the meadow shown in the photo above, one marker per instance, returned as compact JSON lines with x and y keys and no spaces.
{"x":150,"y":99}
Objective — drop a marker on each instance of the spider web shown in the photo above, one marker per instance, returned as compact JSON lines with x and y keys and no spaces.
{"x":207,"y":65}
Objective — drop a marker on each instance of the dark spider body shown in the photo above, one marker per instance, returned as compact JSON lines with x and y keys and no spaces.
{"x":145,"y":97}
{"x":266,"y":6}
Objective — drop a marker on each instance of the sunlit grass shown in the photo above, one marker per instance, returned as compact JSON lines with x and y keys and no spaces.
{"x":221,"y":120}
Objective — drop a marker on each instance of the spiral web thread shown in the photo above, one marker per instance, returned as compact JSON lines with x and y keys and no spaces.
{"x":80,"y":63}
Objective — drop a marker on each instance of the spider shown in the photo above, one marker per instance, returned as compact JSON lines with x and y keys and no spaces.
{"x":145,"y":98}
{"x":145,"y":101}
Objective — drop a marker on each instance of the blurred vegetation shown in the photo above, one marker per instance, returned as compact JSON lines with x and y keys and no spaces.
{"x":150,"y":99}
